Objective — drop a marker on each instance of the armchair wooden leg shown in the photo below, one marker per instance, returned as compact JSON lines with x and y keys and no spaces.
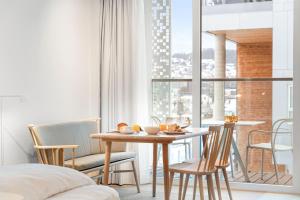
{"x":186,"y":183}
{"x":218,"y":184}
{"x":135,"y":177}
{"x":227,"y":182}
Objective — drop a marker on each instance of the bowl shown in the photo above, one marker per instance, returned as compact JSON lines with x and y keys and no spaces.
{"x":152,"y":130}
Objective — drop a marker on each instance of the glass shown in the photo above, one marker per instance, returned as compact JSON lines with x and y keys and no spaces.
{"x":172,"y":99}
{"x":181,"y":43}
{"x":263,"y":101}
{"x":208,"y":57}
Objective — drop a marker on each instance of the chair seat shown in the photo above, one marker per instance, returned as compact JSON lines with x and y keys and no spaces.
{"x":190,"y":167}
{"x":97,"y":160}
{"x":268,"y":146}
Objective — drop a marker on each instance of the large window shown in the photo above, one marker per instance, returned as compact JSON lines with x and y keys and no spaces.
{"x":246,"y":70}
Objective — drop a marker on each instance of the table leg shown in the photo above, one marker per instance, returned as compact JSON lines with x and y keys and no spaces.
{"x":154,"y":165}
{"x":107,"y":162}
{"x":239,"y":159}
{"x":166,"y":170}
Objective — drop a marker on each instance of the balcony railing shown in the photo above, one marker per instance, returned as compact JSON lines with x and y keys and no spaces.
{"x":218,"y":2}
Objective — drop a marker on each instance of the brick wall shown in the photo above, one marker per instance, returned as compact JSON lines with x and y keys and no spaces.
{"x":255,"y":98}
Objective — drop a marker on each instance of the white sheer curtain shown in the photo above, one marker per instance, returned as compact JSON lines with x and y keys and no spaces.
{"x":124,"y":73}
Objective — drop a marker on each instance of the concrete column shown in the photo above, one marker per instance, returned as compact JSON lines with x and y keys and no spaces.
{"x":220,"y":72}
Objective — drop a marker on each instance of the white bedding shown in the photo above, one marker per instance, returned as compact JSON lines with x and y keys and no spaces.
{"x":39,"y":182}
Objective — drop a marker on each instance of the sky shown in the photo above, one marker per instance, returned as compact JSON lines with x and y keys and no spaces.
{"x":182,"y":28}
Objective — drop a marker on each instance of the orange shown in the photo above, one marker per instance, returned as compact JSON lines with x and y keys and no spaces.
{"x":136,"y":128}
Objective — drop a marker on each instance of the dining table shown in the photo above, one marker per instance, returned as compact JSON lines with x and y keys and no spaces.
{"x":210,"y":122}
{"x":161,"y":138}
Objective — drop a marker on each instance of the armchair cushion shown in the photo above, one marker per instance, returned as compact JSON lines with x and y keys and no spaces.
{"x":71,"y":133}
{"x":97,"y":160}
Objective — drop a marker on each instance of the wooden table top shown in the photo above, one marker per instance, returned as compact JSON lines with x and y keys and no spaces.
{"x":143,"y":137}
{"x":238,"y":123}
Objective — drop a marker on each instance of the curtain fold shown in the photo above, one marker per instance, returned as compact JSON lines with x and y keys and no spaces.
{"x":124,"y":73}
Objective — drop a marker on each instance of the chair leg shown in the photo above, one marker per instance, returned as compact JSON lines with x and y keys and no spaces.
{"x":275,"y":166}
{"x":218,"y":184}
{"x":262,"y":164}
{"x":171,"y":182}
{"x":186,"y":183}
{"x":201,"y":190}
{"x":135,"y":177}
{"x":247,"y":158}
{"x":208,"y":189}
{"x":212,"y":189}
{"x":195,"y":187}
{"x":180,"y":187}
{"x":231,"y":165}
{"x":227,"y":182}
{"x":99,"y":178}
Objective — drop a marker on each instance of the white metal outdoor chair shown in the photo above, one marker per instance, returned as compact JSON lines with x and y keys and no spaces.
{"x":278,"y":128}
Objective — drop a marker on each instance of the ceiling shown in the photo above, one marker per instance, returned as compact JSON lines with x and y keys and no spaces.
{"x":248,"y":35}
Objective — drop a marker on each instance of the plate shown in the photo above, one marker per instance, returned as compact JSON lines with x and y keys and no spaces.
{"x":121,"y":132}
{"x":126,"y":132}
{"x":175,"y":132}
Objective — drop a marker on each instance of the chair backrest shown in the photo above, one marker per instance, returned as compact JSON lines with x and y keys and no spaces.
{"x":225,"y":144}
{"x":280,"y":127}
{"x":210,"y":149}
{"x":70,"y":133}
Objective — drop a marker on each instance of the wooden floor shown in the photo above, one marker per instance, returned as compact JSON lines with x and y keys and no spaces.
{"x":268,"y":178}
{"x":130,"y":193}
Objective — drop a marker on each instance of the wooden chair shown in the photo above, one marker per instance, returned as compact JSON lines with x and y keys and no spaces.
{"x":204,"y":167}
{"x":223,"y":159}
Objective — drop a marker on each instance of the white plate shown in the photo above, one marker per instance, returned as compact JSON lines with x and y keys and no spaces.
{"x":126,"y":132}
{"x":175,"y":132}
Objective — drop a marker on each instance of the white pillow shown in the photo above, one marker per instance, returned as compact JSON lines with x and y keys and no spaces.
{"x":36,"y":181}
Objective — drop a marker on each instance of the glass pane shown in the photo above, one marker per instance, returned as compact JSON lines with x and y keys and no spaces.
{"x":161,"y":49}
{"x":182,"y":27}
{"x":208,"y":57}
{"x":258,"y":106}
{"x":172,"y":99}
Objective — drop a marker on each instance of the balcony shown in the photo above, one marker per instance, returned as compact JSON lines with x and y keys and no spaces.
{"x":251,"y":99}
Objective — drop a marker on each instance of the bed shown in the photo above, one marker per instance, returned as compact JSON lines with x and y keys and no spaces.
{"x":39,"y":182}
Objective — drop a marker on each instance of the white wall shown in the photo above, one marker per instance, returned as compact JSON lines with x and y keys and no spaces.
{"x":296,"y":61}
{"x":283,"y":26}
{"x":48,"y":54}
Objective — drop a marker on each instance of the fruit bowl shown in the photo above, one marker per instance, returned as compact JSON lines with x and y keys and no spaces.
{"x":152,"y":130}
